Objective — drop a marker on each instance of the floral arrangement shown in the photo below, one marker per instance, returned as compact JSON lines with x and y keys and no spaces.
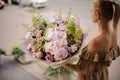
{"x":54,"y":41}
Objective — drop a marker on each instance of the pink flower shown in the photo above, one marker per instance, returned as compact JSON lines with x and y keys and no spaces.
{"x":62,"y":27}
{"x":29,"y":46}
{"x":58,"y":19}
{"x":61,"y":55}
{"x":38,"y":55}
{"x":33,"y":48}
{"x":49,"y":58}
{"x":47,"y":46}
{"x":49,"y":34}
{"x":38,"y":33}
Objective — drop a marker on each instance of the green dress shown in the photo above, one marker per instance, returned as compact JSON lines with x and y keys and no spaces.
{"x":94,"y":65}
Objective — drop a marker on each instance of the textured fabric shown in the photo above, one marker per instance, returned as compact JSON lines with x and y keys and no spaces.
{"x":94,"y":65}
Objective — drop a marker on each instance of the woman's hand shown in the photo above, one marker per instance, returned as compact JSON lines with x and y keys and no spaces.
{"x":66,"y":65}
{"x":73,"y":67}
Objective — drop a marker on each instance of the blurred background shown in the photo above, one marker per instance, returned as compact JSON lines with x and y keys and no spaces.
{"x":13,"y":13}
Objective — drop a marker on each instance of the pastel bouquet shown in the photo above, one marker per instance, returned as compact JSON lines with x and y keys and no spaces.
{"x":54,"y":42}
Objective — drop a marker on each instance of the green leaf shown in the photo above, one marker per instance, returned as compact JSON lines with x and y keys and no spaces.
{"x":26,"y":26}
{"x":70,"y":39}
{"x":71,"y":23}
{"x":59,"y":70}
{"x":71,"y":30}
{"x":36,"y":21}
{"x":67,"y":72}
{"x":69,"y":14}
{"x":49,"y":68}
{"x":71,"y":27}
{"x":50,"y":26}
{"x":52,"y":73}
{"x":16,"y":45}
{"x":40,"y":44}
{"x":17,"y":51}
{"x":78,"y":34}
{"x":2,"y":52}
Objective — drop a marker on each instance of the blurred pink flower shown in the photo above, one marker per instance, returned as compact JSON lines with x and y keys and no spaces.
{"x":62,"y":27}
{"x":38,"y":55}
{"x":49,"y":58}
{"x":61,"y":55}
{"x":49,"y":34}
{"x":47,"y":46}
{"x":38,"y":33}
{"x":58,"y":19}
{"x":33,"y":48}
{"x":29,"y":46}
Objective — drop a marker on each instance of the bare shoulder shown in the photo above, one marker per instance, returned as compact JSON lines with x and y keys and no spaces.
{"x":98,"y":44}
{"x":93,"y":45}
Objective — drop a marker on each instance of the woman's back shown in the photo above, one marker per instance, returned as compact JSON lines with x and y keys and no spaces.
{"x":103,"y":41}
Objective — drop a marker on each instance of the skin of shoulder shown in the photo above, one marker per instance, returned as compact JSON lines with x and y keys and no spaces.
{"x":100,"y":43}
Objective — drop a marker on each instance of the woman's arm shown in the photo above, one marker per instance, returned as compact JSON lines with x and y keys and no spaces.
{"x":73,"y":67}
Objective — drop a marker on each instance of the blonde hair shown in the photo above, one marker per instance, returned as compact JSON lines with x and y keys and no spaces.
{"x":116,"y":15}
{"x":109,"y":10}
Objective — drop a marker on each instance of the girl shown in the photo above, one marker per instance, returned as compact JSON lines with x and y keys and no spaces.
{"x":102,"y":49}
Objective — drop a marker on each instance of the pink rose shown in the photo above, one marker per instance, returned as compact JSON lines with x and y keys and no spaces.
{"x":38,"y":55}
{"x":49,"y":58}
{"x":61,"y":55}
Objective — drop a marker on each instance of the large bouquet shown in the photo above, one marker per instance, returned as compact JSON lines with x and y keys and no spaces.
{"x":54,"y":42}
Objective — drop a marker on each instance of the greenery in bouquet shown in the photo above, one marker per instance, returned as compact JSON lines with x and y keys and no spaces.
{"x":2,"y":52}
{"x":54,"y":41}
{"x":58,"y":71}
